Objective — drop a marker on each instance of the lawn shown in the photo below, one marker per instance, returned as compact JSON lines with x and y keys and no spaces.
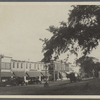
{"x":57,"y":88}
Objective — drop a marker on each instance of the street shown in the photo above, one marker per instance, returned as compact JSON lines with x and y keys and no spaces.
{"x":88,"y":87}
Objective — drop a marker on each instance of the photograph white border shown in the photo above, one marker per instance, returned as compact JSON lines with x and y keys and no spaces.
{"x":52,"y":96}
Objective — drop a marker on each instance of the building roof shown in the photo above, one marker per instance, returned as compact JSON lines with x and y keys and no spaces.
{"x":39,"y":62}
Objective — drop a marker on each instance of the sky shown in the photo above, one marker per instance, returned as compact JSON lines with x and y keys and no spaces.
{"x":22,"y":25}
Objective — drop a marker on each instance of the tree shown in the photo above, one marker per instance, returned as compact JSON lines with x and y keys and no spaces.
{"x":82,"y":31}
{"x":88,"y":65}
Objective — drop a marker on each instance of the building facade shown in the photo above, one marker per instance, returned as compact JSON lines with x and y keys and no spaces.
{"x":58,"y":70}
{"x":6,"y":72}
{"x":29,"y":71}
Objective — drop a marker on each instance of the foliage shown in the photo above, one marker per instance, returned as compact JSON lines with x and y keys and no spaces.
{"x":89,"y":64}
{"x":85,"y":21}
{"x":81,"y":31}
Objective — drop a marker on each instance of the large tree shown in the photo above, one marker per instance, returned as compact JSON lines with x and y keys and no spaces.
{"x":82,"y":31}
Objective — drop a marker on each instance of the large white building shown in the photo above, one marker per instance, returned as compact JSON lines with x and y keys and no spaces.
{"x":23,"y":69}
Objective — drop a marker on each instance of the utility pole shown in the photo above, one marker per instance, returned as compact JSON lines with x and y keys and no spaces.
{"x":46,"y":72}
{"x":46,"y":83}
{"x":93,"y":72}
{"x":61,"y":69}
{"x":53,"y":65}
{"x":53,"y":69}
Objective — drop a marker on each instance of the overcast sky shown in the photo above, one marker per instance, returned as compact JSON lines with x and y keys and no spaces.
{"x":21,"y":26}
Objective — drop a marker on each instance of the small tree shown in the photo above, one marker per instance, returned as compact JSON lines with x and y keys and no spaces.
{"x":88,"y":65}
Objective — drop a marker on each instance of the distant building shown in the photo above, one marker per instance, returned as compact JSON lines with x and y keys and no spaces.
{"x":59,"y":70}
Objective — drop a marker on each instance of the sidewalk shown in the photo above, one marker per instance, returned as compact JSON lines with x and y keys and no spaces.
{"x":58,"y":82}
{"x":87,"y":78}
{"x":51,"y":83}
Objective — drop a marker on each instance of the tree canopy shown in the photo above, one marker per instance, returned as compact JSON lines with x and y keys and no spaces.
{"x":81,"y":31}
{"x":88,"y":65}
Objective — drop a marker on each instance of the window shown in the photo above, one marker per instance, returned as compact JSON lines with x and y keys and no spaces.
{"x":34,"y":66}
{"x":26,"y":65}
{"x":13,"y":64}
{"x":7,"y":65}
{"x":38,"y":66}
{"x":17,"y":65}
{"x":30,"y":65}
{"x":21,"y":65}
{"x":3,"y":65}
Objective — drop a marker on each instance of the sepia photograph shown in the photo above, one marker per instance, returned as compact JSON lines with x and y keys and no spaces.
{"x":50,"y":48}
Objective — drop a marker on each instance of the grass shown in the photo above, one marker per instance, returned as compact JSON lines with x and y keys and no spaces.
{"x":89,"y":87}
